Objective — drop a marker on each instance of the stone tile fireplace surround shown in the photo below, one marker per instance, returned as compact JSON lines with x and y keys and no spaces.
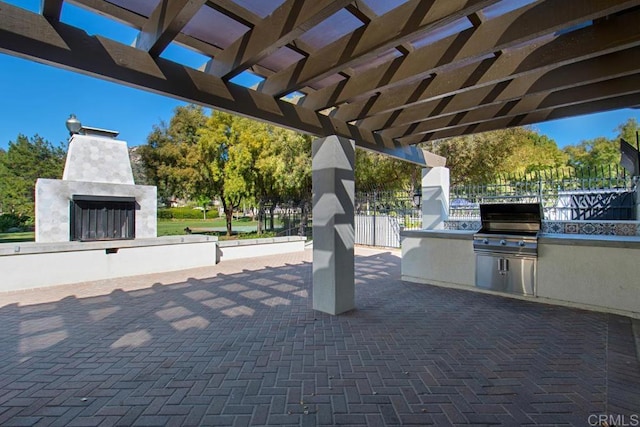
{"x":97,"y":166}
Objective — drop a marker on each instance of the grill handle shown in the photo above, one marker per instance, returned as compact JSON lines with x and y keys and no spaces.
{"x":503,"y":265}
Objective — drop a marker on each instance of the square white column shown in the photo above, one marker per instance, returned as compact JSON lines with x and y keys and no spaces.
{"x":333,"y":224}
{"x":435,"y":197}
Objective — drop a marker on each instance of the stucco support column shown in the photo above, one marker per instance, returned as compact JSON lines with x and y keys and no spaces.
{"x":435,"y":197}
{"x":333,"y":224}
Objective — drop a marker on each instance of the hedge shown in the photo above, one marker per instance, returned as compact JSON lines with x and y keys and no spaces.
{"x":185,"y":213}
{"x":12,"y":221}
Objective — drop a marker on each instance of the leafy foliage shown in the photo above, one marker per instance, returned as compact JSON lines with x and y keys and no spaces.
{"x":629,"y":131}
{"x":11,"y":221}
{"x":26,"y":160}
{"x":184,"y":213}
{"x":480,"y":158}
{"x":375,"y":171}
{"x":602,"y":152}
{"x":168,"y":158}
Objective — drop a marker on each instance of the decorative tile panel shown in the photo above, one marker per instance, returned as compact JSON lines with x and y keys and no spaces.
{"x":596,"y":228}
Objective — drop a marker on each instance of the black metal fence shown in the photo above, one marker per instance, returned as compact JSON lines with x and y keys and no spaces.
{"x":603,"y":193}
{"x":566,"y":194}
{"x":380,"y":215}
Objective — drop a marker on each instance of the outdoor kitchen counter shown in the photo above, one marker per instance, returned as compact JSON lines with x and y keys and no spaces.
{"x":439,"y":257}
{"x":629,"y":242}
{"x":593,"y":272}
{"x":440,"y":234}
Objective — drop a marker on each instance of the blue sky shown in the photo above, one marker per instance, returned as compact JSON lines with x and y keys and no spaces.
{"x":37,"y":99}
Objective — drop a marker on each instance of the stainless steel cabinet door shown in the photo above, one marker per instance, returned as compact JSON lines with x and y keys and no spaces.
{"x":501,"y":273}
{"x":521,"y":276}
{"x":488,"y":275}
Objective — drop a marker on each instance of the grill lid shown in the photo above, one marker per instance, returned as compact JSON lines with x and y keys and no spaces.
{"x":525,"y":218}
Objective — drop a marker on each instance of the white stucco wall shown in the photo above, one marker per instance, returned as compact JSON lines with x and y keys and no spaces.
{"x":34,"y":265}
{"x":599,"y":276}
{"x":436,"y":260}
{"x":435,"y":197}
{"x":593,"y":272}
{"x":237,"y":249}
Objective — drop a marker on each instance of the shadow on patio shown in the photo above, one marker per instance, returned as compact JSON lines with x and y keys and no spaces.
{"x":237,"y":346}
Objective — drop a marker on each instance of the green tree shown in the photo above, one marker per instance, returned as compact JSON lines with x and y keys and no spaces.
{"x":224,"y":162}
{"x":593,"y":153}
{"x":484,"y":156}
{"x":170,"y":156}
{"x":628,"y":131}
{"x":283,"y":170}
{"x":26,"y":160}
{"x":375,"y":171}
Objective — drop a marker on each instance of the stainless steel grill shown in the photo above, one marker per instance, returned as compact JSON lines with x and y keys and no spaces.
{"x":506,"y":247}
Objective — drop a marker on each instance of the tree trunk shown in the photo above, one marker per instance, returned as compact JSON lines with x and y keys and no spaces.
{"x":260,"y":216}
{"x":228,"y":213}
{"x":272,"y":208}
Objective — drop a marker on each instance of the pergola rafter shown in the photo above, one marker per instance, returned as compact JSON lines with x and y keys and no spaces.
{"x":51,"y":9}
{"x":444,"y":56}
{"x":389,"y":75}
{"x":284,"y":25}
{"x":31,"y":36}
{"x":402,"y":24}
{"x":613,"y":103}
{"x":606,"y":70}
{"x":538,"y":101}
{"x":612,"y":35}
{"x":164,"y":24}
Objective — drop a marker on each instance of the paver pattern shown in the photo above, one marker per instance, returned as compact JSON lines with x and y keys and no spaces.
{"x":238,"y":344}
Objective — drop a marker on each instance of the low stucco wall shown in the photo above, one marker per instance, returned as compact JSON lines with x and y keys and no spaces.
{"x":436,"y":257}
{"x":237,"y":249}
{"x":603,"y":272}
{"x":33,"y":265}
{"x":593,"y":272}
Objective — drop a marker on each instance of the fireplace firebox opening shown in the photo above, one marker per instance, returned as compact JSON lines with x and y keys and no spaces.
{"x":102,"y":218}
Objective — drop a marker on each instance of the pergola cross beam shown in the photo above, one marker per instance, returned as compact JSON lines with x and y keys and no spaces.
{"x":504,"y":32}
{"x":31,"y":36}
{"x":284,"y":25}
{"x":601,"y":69}
{"x":164,"y":24}
{"x":409,"y":20}
{"x":611,"y":35}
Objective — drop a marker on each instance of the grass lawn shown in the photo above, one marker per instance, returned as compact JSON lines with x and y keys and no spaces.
{"x":27,"y":236}
{"x":165,"y":228}
{"x":176,"y":226}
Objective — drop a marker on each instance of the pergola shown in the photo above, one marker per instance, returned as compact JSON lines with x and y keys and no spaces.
{"x":385,"y":74}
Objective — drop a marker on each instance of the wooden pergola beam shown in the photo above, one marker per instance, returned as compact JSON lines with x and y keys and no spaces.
{"x":417,"y":119}
{"x":616,"y":33}
{"x":136,"y":21}
{"x":31,"y":36}
{"x":51,"y":9}
{"x":506,"y":31}
{"x":539,"y":101}
{"x":533,"y":117}
{"x":285,"y":24}
{"x":167,"y":20}
{"x":408,"y":20}
{"x":234,"y":11}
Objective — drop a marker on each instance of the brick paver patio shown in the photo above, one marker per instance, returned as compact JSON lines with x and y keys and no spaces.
{"x":238,"y":344}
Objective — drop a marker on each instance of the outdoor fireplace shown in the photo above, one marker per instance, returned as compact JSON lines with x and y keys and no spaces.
{"x":96,"y":199}
{"x":102,"y":218}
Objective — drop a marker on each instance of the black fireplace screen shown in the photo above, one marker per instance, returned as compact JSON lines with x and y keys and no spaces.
{"x":102,"y":218}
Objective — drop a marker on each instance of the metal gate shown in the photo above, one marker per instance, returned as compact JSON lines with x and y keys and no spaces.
{"x":381,"y":215}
